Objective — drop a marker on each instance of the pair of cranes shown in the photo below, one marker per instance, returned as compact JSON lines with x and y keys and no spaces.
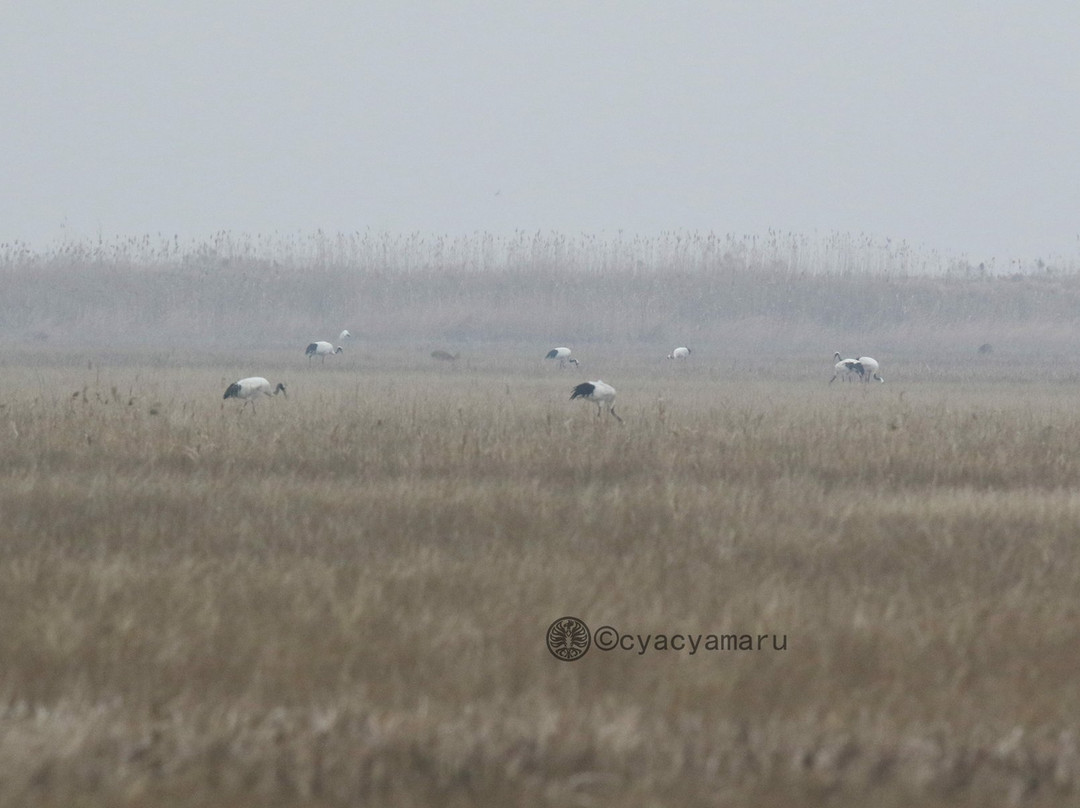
{"x":325,"y":349}
{"x":599,"y":391}
{"x":255,"y":387}
{"x":563,"y":355}
{"x":864,"y":369}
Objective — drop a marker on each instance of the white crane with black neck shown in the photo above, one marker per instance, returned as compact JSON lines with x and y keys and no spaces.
{"x":252,"y":388}
{"x":599,"y":392}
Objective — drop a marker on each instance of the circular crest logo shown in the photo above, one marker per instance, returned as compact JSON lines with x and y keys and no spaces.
{"x":568,"y":638}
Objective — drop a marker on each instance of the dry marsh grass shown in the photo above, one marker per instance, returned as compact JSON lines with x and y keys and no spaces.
{"x":342,"y":599}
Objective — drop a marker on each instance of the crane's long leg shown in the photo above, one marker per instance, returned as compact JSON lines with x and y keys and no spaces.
{"x":612,"y":411}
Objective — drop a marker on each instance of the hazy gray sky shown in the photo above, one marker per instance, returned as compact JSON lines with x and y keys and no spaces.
{"x":953,"y":125}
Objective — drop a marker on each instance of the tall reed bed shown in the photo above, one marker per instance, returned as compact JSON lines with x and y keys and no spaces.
{"x":736,"y":293}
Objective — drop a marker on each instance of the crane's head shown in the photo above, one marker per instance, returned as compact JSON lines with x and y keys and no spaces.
{"x":281,"y":389}
{"x":338,"y":349}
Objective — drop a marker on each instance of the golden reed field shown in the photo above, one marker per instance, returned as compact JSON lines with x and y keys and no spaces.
{"x":818,"y":594}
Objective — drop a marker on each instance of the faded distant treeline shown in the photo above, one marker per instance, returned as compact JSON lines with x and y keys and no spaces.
{"x":747,"y":293}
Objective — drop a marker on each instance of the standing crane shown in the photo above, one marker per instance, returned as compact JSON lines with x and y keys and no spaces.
{"x":599,"y":392}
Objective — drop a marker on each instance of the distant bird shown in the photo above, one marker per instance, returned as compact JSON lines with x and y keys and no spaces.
{"x":251,"y":388}
{"x":344,"y":335}
{"x":323,"y":349}
{"x":679,"y":353}
{"x":600,"y":392}
{"x":848,"y":368}
{"x":443,"y":356}
{"x":563,"y":355}
{"x":870,"y":368}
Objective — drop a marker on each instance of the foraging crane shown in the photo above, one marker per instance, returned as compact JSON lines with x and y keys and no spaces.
{"x":848,"y":368}
{"x":563,"y":355}
{"x":251,"y":388}
{"x":680,"y":353}
{"x":600,"y":392}
{"x":323,"y":349}
{"x":870,"y":368}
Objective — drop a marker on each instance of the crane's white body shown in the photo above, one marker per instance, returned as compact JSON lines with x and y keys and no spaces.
{"x":870,"y":368}
{"x":252,"y":388}
{"x":323,"y":349}
{"x":599,"y":392}
{"x":681,"y":352}
{"x":563,"y":355}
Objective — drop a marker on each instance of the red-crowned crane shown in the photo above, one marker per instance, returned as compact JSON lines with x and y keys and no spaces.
{"x":323,"y":349}
{"x":563,"y":355}
{"x":599,"y":392}
{"x":848,"y":368}
{"x":870,"y":368}
{"x":681,"y":352}
{"x":251,"y":388}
